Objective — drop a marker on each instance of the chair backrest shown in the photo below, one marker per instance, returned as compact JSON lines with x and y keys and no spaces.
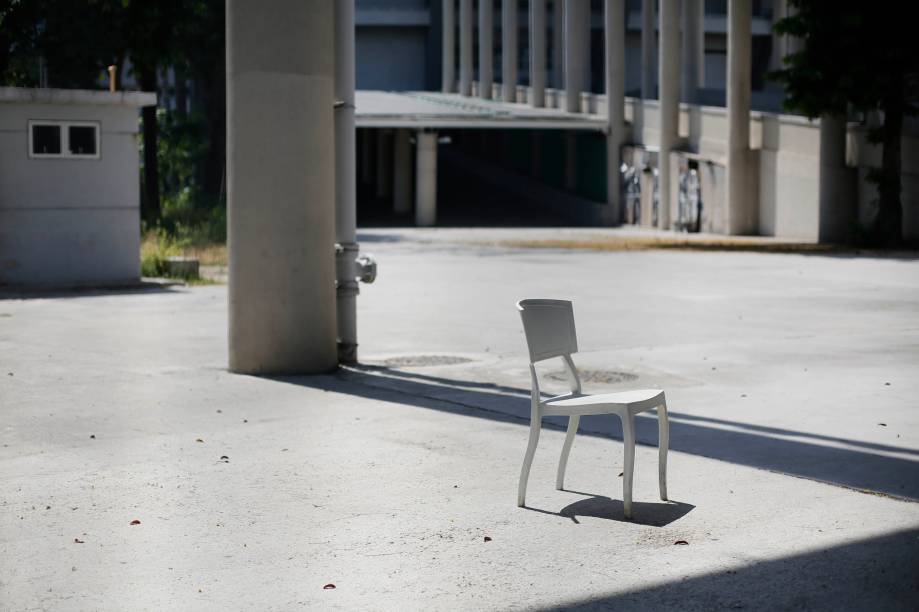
{"x":549,"y":328}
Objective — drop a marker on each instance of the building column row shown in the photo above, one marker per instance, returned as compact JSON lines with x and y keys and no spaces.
{"x":386,"y":159}
{"x":668,"y":70}
{"x":568,"y":49}
{"x":509,"y":50}
{"x":486,"y":48}
{"x":672,"y":62}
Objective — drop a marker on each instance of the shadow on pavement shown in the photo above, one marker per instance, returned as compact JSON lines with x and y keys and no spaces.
{"x":858,"y":465}
{"x":12,"y":292}
{"x":652,"y":514}
{"x":879,"y":573}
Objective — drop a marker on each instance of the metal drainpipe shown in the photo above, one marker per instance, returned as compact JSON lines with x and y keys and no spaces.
{"x":349,"y":268}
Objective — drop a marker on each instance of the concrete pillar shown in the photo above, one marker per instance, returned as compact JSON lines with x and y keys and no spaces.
{"x":793,"y":44}
{"x":486,"y":48}
{"x":614,"y":26}
{"x":587,"y":28}
{"x":741,"y":219}
{"x":509,"y":50}
{"x":837,"y":187}
{"x":384,"y":164}
{"x":538,"y":52}
{"x":693,"y":53}
{"x":571,"y":161}
{"x":558,"y":44}
{"x":346,"y":250}
{"x":448,"y":70}
{"x":402,"y":173}
{"x":669,"y":83}
{"x":366,"y":155}
{"x":779,"y":41}
{"x":648,"y":44}
{"x":281,"y":207}
{"x":577,"y":15}
{"x":536,"y":154}
{"x":426,"y":179}
{"x":465,"y":47}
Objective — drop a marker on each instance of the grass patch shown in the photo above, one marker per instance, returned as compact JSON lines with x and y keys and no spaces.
{"x":158,"y":245}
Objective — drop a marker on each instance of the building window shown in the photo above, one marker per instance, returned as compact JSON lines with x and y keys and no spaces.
{"x":64,"y":139}
{"x":46,"y":139}
{"x":82,"y":139}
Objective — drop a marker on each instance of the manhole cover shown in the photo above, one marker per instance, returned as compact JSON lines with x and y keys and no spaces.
{"x":420,"y":361}
{"x":596,"y":376}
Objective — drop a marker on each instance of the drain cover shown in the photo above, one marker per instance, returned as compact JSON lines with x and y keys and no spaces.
{"x":607,"y":377}
{"x":420,"y":361}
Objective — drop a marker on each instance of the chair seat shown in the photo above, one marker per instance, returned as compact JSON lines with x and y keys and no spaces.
{"x":603,"y":403}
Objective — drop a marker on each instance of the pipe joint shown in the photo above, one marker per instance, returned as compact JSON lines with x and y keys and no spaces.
{"x":351,"y":268}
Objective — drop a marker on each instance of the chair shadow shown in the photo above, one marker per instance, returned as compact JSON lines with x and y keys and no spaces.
{"x":651,"y":514}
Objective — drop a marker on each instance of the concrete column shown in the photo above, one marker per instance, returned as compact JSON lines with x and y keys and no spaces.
{"x":793,"y":44}
{"x":465,"y":47}
{"x":347,"y":250}
{"x":558,"y":44}
{"x":614,"y":26}
{"x":571,"y":161}
{"x":486,"y":48}
{"x":538,"y":52}
{"x":536,"y":154}
{"x":648,"y":44}
{"x":426,"y":179}
{"x":281,"y":207}
{"x":448,"y":70}
{"x":366,"y":155}
{"x":577,"y":14}
{"x":693,"y":75}
{"x":384,"y":164}
{"x":837,"y":187}
{"x":741,"y":218}
{"x":669,"y":84}
{"x":587,"y":28}
{"x":402,"y":171}
{"x":779,"y":41}
{"x":509,"y":50}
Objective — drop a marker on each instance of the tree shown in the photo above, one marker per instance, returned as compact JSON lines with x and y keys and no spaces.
{"x":862,"y":57}
{"x":147,"y":34}
{"x":77,"y":40}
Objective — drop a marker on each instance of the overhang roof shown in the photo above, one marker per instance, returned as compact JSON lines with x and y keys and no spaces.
{"x":435,"y":110}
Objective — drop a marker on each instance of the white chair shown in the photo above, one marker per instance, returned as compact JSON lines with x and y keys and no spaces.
{"x":549,"y":329}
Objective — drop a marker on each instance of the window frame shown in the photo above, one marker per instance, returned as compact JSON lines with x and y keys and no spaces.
{"x":65,"y":139}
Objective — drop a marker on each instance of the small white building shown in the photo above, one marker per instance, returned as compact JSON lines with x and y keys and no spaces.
{"x":69,"y":186}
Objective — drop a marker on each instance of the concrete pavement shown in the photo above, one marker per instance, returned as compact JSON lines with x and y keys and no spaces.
{"x":791,"y":379}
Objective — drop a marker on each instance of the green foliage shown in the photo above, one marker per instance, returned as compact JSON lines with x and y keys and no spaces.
{"x":189,"y":214}
{"x":860,"y":57}
{"x":156,"y":248}
{"x":76,"y":41}
{"x":853,"y":54}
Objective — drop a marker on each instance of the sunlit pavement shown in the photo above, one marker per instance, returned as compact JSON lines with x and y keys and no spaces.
{"x":794,"y":437}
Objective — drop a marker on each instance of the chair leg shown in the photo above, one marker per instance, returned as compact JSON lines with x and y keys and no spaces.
{"x":573,"y":422}
{"x":628,"y":468}
{"x":663,"y":443}
{"x":535,"y":424}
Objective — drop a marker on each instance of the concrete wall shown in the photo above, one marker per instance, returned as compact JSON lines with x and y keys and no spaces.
{"x":69,"y":221}
{"x":786,"y":162}
{"x":397,"y":45}
{"x":789,"y":173}
{"x":865,"y":156}
{"x":391,"y":58}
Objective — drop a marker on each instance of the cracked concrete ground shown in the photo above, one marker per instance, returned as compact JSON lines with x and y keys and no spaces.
{"x":794,"y":470}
